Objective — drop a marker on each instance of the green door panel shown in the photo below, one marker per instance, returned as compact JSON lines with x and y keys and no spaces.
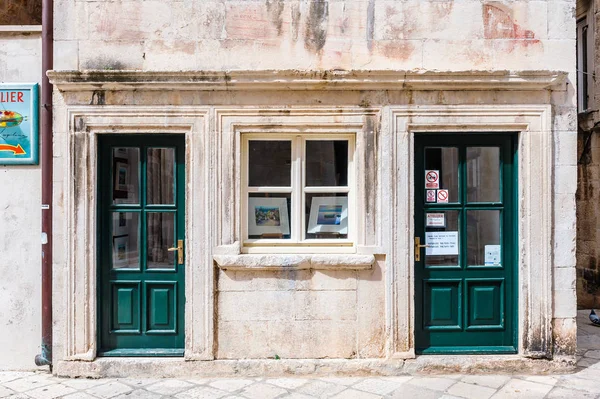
{"x":141,"y":214}
{"x":465,"y":281}
{"x":125,"y":306}
{"x":441,"y":304}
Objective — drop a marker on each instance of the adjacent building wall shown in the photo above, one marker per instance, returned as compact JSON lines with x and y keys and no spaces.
{"x":20,"y":223}
{"x":588,"y":172}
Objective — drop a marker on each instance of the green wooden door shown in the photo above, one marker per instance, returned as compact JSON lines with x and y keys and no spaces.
{"x":141,"y":220}
{"x":465,"y":280}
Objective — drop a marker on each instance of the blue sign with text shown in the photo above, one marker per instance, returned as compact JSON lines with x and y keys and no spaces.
{"x":19,"y":125}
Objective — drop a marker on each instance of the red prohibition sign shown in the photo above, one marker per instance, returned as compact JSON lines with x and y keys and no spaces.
{"x":431,"y":176}
{"x":442,"y":195}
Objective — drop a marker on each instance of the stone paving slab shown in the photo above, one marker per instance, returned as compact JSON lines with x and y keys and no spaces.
{"x":572,"y":386}
{"x":583,"y":383}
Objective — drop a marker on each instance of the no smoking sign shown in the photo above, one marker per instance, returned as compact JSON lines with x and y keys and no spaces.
{"x":442,"y":196}
{"x":432,"y":179}
{"x":431,"y":196}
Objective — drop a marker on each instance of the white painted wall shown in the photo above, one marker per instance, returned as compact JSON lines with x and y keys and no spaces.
{"x":20,"y":224}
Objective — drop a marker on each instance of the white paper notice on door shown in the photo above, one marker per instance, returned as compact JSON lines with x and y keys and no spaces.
{"x":441,"y":243}
{"x":492,"y":255}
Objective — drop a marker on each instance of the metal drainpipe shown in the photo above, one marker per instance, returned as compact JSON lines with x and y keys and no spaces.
{"x":45,"y":358}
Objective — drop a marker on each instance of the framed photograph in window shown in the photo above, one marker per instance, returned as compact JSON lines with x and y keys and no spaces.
{"x":268,"y":216}
{"x":328,"y":215}
{"x":120,"y":251}
{"x":121,"y":176}
{"x":121,"y":223}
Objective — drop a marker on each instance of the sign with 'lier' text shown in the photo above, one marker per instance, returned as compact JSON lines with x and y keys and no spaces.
{"x":19,"y":126}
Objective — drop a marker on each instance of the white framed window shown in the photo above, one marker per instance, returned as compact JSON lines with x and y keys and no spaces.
{"x":298,"y":192}
{"x":583,"y":65}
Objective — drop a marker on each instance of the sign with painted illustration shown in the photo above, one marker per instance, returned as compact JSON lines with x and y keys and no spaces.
{"x":19,"y":126}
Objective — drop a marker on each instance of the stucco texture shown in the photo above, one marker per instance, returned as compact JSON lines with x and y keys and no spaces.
{"x":20,"y":225}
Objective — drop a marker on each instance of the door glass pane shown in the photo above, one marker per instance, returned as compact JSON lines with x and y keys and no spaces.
{"x":125,"y":240}
{"x":483,"y":238}
{"x":269,"y":215}
{"x":269,"y":163}
{"x":442,"y":237}
{"x":161,"y":176}
{"x":441,"y":173}
{"x":327,"y":163}
{"x":161,"y":237}
{"x":326,"y":216}
{"x":126,"y":175}
{"x":483,"y":174}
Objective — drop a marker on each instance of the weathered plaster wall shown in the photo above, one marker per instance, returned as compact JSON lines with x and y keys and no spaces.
{"x":20,"y":224}
{"x":318,"y":34}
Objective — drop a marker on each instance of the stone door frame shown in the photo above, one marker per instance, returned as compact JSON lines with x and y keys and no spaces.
{"x":535,"y":175}
{"x":76,"y":140}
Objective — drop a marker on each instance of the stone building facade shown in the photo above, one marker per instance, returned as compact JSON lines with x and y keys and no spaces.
{"x":240,"y":186}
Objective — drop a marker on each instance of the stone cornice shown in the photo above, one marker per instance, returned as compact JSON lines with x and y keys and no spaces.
{"x":305,"y":80}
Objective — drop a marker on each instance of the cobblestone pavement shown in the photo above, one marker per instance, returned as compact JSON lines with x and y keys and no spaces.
{"x":584,"y":383}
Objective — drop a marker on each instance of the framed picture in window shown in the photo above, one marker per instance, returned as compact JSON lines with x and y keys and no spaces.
{"x":120,"y":251}
{"x":121,"y":176}
{"x":268,"y":216}
{"x":328,"y":215}
{"x":121,"y":223}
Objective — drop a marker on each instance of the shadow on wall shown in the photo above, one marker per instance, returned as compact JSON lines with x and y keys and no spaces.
{"x":588,"y":341}
{"x":587,"y":200}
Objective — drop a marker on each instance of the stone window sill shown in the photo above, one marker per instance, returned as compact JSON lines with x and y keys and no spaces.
{"x":20,"y":28}
{"x":295,"y":262}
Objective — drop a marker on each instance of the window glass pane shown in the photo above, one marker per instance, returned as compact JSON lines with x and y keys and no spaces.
{"x":125,"y":240}
{"x":160,"y":175}
{"x":327,"y":163}
{"x":269,"y":215}
{"x":483,"y":174}
{"x":326,"y":216}
{"x":270,"y":163}
{"x":443,"y":238}
{"x":441,"y":172}
{"x":21,"y":12}
{"x":126,"y":176}
{"x":483,"y":238}
{"x":161,"y":236}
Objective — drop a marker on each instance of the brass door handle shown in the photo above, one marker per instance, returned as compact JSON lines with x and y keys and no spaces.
{"x":418,"y":247}
{"x":179,"y":249}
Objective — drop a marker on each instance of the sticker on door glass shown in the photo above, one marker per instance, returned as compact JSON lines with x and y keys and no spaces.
{"x":441,"y":243}
{"x":431,"y":196}
{"x":435,"y":220}
{"x":492,"y":255}
{"x":442,"y":196}
{"x":432,"y":179}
